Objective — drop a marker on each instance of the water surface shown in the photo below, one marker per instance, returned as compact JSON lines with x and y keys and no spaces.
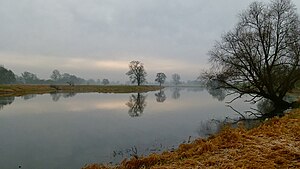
{"x":70,"y":130}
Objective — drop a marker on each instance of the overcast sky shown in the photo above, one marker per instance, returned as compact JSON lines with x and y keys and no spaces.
{"x":98,"y":38}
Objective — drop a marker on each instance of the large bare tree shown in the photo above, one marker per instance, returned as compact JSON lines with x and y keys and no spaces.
{"x":137,"y":73}
{"x":260,"y":56}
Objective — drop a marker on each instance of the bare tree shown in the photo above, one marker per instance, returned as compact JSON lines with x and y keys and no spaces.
{"x":260,"y":56}
{"x":105,"y":81}
{"x":137,"y":73}
{"x":176,"y":78}
{"x":160,"y":78}
{"x":56,"y":75}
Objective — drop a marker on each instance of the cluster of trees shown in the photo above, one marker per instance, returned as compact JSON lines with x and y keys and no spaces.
{"x":56,"y":77}
{"x":64,"y":78}
{"x":31,"y":78}
{"x":137,"y":74}
{"x":9,"y":77}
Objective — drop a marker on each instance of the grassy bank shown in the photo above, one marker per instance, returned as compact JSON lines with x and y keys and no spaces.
{"x":274,"y":144}
{"x":19,"y":90}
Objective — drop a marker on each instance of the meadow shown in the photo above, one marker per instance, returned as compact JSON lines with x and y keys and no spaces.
{"x":21,"y":90}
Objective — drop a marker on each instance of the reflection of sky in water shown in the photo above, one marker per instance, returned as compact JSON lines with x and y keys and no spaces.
{"x":86,"y":128}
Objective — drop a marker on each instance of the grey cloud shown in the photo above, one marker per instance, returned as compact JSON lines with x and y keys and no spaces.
{"x":117,"y":29}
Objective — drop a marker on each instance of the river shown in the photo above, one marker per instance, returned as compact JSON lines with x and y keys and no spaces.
{"x":70,"y":130}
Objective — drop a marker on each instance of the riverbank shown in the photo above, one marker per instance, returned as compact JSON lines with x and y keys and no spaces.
{"x":273,"y":144}
{"x":20,"y":90}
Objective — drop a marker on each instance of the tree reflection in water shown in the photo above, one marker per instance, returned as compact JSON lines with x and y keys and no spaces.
{"x":248,"y":119}
{"x":160,"y":96}
{"x":214,"y":126}
{"x":136,"y":104}
{"x":213,"y":88}
{"x":210,"y":127}
{"x":29,"y":96}
{"x":6,"y":101}
{"x":56,"y":96}
{"x":196,"y":89}
{"x":176,"y":92}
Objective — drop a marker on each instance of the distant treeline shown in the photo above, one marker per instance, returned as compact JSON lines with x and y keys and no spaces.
{"x":9,"y":77}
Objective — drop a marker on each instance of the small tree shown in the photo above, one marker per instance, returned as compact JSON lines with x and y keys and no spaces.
{"x":261,"y":56}
{"x":160,"y":78}
{"x":137,"y":73}
{"x":56,"y":75}
{"x":105,"y":81}
{"x":176,"y":78}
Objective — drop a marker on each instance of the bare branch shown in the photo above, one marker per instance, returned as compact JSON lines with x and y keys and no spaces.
{"x":236,"y":111}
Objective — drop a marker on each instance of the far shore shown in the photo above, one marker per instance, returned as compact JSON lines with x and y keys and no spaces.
{"x":24,"y":89}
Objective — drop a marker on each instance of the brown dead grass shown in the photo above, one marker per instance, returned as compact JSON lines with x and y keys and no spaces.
{"x":274,"y":144}
{"x":20,"y":90}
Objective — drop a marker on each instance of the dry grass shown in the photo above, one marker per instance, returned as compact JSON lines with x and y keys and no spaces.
{"x":274,"y":144}
{"x":19,"y":90}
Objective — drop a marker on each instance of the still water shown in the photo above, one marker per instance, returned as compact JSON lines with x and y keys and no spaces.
{"x":70,"y":130}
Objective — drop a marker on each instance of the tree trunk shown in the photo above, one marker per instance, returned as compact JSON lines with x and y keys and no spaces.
{"x":279,"y":107}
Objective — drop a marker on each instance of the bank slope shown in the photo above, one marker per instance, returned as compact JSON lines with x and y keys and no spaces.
{"x":274,"y":144}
